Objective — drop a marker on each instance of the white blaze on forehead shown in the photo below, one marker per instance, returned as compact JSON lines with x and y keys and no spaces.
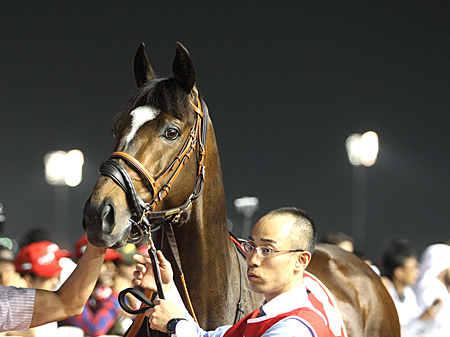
{"x":140,"y":116}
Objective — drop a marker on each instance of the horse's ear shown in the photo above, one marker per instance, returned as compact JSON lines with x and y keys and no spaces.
{"x":142,"y":70}
{"x":183,"y":68}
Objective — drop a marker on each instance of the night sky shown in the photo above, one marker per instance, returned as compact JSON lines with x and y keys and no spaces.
{"x":285,"y":85}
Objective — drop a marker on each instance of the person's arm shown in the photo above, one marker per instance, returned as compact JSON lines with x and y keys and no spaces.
{"x":69,"y":300}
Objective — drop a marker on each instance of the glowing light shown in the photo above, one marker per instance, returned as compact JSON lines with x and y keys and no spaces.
{"x":63,"y":168}
{"x":353,"y":146}
{"x":247,"y":205}
{"x":7,"y":242}
{"x":74,"y":167}
{"x":369,"y":148}
{"x":362,"y":149}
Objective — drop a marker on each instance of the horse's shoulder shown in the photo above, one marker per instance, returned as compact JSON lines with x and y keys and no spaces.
{"x":340,"y":269}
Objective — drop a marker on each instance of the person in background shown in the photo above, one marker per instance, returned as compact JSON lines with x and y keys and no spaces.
{"x":38,"y":264}
{"x":35,"y":234}
{"x":346,"y":242}
{"x":432,"y":287}
{"x":8,"y":274}
{"x":340,"y":239}
{"x":6,"y":257}
{"x":400,"y":270}
{"x":25,"y":308}
{"x":102,"y":308}
{"x":40,"y":233}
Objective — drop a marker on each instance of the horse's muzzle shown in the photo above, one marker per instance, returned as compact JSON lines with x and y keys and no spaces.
{"x":102,"y":226}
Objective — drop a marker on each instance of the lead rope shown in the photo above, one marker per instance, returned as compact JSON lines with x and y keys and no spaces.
{"x":155,"y":266}
{"x":156,"y":275}
{"x":239,"y":309}
{"x":136,"y":326}
{"x":173,"y":246}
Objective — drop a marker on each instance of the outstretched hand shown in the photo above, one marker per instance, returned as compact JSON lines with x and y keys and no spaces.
{"x":432,"y":310}
{"x":143,"y":274}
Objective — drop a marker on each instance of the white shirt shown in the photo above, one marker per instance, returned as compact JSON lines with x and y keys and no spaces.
{"x":429,"y":290}
{"x":408,"y":311}
{"x":289,"y":327}
{"x":16,"y":308}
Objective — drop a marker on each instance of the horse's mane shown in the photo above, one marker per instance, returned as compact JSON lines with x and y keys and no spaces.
{"x":164,"y":94}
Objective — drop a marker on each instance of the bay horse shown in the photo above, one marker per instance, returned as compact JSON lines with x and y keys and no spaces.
{"x":149,"y":177}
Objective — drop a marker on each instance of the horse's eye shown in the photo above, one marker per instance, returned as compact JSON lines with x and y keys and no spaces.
{"x":171,"y":134}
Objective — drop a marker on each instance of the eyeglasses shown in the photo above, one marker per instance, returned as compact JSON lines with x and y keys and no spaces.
{"x":266,"y":251}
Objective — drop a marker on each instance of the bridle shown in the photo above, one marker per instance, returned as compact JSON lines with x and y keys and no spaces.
{"x":144,"y":217}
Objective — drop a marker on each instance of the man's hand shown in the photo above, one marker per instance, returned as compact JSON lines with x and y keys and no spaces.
{"x":432,"y":311}
{"x":161,"y":314}
{"x":143,"y":275}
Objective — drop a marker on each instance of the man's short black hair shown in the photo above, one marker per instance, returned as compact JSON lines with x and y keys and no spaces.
{"x":395,"y":256}
{"x":303,"y":232}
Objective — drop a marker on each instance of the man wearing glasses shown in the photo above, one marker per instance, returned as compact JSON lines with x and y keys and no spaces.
{"x":278,"y":251}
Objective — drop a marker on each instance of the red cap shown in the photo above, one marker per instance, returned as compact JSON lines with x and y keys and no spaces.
{"x":113,"y":255}
{"x":81,"y":244}
{"x":143,"y":250}
{"x":40,"y":258}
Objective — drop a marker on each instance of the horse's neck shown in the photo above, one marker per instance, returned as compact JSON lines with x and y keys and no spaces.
{"x":206,"y":227}
{"x":208,"y":259}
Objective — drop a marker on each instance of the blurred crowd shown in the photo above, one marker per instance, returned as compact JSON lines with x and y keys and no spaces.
{"x":419,"y":285}
{"x":40,"y":263}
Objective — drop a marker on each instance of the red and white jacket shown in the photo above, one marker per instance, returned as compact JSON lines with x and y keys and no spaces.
{"x":315,"y":309}
{"x":250,"y":326}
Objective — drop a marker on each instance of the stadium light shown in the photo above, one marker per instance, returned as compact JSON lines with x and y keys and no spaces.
{"x":247,"y":206}
{"x":362,"y":151}
{"x":63,"y":168}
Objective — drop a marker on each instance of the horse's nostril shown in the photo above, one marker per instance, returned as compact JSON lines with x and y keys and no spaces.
{"x":108,"y":218}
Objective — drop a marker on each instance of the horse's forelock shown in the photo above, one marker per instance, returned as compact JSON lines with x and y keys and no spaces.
{"x":165,"y":95}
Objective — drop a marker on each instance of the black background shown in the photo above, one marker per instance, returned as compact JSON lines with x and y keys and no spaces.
{"x":286,"y":84}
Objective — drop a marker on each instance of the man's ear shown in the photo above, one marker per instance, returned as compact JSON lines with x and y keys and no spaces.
{"x":398,"y":273}
{"x":303,"y":260}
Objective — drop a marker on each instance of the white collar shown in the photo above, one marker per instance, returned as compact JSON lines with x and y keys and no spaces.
{"x":292,"y":299}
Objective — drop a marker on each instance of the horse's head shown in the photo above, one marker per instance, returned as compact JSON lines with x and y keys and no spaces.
{"x":154,"y":128}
